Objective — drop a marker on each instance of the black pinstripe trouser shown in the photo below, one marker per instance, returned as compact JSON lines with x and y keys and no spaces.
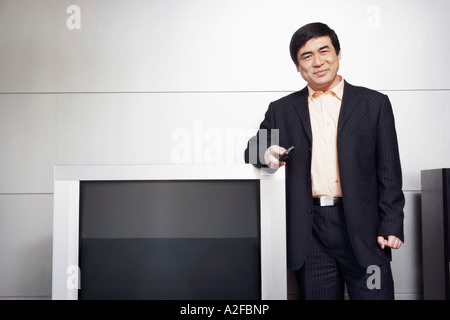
{"x":331,"y":264}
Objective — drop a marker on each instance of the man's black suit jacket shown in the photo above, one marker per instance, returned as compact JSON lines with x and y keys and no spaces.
{"x":369,"y":166}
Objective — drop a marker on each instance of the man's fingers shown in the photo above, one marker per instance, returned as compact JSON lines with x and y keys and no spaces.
{"x":273,"y":161}
{"x":391,"y":242}
{"x":381,"y":242}
{"x":271,"y":157}
{"x":394,"y":242}
{"x":277,"y":150}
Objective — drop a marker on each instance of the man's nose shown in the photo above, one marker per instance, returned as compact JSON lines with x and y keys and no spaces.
{"x":318,"y":61}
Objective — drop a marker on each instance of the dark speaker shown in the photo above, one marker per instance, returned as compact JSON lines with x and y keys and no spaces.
{"x":435,"y":233}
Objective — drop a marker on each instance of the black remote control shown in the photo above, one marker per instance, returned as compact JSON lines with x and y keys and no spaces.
{"x":285,"y":155}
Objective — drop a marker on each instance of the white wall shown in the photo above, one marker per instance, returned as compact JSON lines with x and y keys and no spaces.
{"x":161,"y":82}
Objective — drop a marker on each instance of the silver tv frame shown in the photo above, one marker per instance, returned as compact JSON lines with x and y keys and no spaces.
{"x":65,"y":271}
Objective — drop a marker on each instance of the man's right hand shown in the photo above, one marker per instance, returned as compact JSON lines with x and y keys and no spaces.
{"x":271,"y":157}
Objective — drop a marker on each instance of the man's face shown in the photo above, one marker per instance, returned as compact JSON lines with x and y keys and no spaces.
{"x":319,"y":64}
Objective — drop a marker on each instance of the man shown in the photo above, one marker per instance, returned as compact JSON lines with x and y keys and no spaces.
{"x":343,"y":182}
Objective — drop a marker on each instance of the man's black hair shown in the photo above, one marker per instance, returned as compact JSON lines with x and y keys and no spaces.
{"x":310,"y":31}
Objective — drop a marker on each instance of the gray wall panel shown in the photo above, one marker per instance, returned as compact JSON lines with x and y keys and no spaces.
{"x":242,"y":45}
{"x":26,"y":246}
{"x":163,"y":128}
{"x":172,"y":45}
{"x":422,"y":119}
{"x":28,"y":131}
{"x":29,"y":46}
{"x":407,"y":261}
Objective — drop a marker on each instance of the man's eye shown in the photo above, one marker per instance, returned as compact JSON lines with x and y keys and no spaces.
{"x":307,"y":57}
{"x":324,"y":51}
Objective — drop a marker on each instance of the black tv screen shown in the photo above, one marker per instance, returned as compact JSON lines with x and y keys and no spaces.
{"x":170,"y":239}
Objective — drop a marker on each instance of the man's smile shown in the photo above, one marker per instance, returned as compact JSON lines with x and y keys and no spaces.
{"x":321,"y":73}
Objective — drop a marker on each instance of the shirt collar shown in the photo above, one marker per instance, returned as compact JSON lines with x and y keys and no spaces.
{"x":337,"y":91}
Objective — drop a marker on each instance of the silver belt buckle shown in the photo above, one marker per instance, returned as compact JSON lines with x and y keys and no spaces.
{"x":326,"y":201}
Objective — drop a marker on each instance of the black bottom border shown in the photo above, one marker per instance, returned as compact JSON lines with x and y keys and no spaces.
{"x":209,"y":309}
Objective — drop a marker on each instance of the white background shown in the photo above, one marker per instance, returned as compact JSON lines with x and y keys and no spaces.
{"x":163,"y":82}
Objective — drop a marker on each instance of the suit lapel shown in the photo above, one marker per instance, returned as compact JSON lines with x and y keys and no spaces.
{"x":350,"y":101}
{"x":302,"y":109}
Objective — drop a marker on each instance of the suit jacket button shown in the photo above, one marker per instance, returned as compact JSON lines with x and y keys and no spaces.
{"x":310,"y":211}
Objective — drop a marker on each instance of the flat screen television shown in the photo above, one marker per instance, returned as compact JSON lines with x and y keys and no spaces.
{"x":168,"y":233}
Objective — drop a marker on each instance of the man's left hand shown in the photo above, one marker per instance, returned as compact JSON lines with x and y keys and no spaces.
{"x":391,"y":242}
